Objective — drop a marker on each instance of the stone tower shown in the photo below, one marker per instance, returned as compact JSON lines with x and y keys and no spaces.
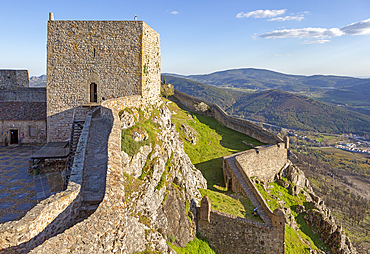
{"x":92,"y":61}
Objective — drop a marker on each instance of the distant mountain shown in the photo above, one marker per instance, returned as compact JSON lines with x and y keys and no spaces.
{"x":209,"y":93}
{"x":260,"y":79}
{"x":39,"y":81}
{"x":279,"y":108}
{"x":299,"y":112}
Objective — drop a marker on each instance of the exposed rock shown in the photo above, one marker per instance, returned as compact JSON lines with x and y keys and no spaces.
{"x":300,"y":209}
{"x":134,"y":165}
{"x":157,"y":205}
{"x":289,"y":218}
{"x":319,"y":217}
{"x":127,"y":120}
{"x":139,"y":136}
{"x":190,"y":134}
{"x":202,"y":107}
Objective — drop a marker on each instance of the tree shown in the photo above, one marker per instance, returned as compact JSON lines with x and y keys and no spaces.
{"x":167,"y":89}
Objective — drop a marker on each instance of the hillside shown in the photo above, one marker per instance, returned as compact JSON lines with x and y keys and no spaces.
{"x":279,"y":108}
{"x":260,"y":79}
{"x":206,"y":92}
{"x":299,"y":238}
{"x":300,"y":112}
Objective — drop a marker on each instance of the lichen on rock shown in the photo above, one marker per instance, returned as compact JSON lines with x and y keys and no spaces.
{"x":165,"y":183}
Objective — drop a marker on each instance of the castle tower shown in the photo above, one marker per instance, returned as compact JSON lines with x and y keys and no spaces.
{"x":92,"y":61}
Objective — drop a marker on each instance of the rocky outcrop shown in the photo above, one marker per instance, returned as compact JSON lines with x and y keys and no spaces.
{"x":165,"y":183}
{"x":317,"y":215}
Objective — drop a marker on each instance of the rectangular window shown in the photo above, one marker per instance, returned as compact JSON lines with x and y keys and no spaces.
{"x":32,"y":131}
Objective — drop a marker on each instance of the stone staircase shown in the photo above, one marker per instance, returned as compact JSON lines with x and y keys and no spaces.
{"x":76,"y":130}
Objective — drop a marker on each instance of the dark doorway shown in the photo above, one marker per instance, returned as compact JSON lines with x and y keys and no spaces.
{"x":13,"y":136}
{"x":93,"y":92}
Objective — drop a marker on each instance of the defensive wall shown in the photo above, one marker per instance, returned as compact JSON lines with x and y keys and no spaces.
{"x":234,"y":123}
{"x":51,"y":224}
{"x":14,"y":79}
{"x":89,"y":62}
{"x":52,"y":215}
{"x":24,"y":110}
{"x":231,"y":234}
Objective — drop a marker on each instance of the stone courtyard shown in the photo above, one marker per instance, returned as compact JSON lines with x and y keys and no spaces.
{"x":19,"y":191}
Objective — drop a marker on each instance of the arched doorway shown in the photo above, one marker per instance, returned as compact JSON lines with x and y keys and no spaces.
{"x":93,"y":92}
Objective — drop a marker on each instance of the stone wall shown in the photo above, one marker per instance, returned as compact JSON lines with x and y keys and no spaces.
{"x":24,"y":127}
{"x":35,"y":94}
{"x":230,"y":234}
{"x":52,"y":215}
{"x":121,"y":57}
{"x":151,"y":62}
{"x":103,"y":231}
{"x":24,"y":110}
{"x":237,"y":124}
{"x":14,"y":79}
{"x":263,"y":161}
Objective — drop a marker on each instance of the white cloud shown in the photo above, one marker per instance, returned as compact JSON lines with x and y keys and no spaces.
{"x":308,"y":32}
{"x":358,"y":28}
{"x":298,"y":18}
{"x":315,"y":42}
{"x":174,"y":12}
{"x":261,"y":14}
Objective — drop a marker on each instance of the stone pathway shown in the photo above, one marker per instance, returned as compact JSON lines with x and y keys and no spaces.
{"x":93,"y":183}
{"x":17,"y":190}
{"x":248,"y":191}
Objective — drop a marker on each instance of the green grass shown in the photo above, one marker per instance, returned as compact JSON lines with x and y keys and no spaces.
{"x":198,"y":246}
{"x":237,"y":205}
{"x":207,"y":154}
{"x":295,"y":241}
{"x":128,"y":145}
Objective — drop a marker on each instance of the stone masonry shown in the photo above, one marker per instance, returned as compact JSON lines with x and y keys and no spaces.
{"x":92,"y":61}
{"x":13,"y":79}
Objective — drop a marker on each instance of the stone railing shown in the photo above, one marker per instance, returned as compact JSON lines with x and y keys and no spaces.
{"x":234,"y":123}
{"x":103,"y":231}
{"x":52,"y":215}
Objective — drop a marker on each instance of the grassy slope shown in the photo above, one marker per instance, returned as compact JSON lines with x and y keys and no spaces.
{"x":295,"y":241}
{"x":207,"y":156}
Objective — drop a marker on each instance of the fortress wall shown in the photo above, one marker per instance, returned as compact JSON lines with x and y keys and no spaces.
{"x":22,"y":109}
{"x":14,"y":79}
{"x":276,"y":217}
{"x":52,"y":215}
{"x":151,"y":62}
{"x":103,"y":230}
{"x":237,"y":124}
{"x":59,"y":125}
{"x":230,"y":234}
{"x":263,"y":161}
{"x":121,"y":57}
{"x":24,"y":127}
{"x":29,"y":94}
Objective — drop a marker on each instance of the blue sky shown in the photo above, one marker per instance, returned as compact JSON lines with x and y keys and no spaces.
{"x":296,"y":37}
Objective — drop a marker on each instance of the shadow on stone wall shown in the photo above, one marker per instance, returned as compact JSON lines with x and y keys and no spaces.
{"x":63,"y":221}
{"x":78,"y":209}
